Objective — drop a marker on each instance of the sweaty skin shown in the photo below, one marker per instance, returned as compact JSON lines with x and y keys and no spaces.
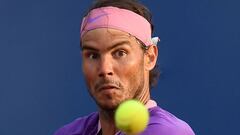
{"x":116,"y":69}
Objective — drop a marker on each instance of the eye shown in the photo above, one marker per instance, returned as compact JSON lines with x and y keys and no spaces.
{"x":92,"y":55}
{"x":120,"y":53}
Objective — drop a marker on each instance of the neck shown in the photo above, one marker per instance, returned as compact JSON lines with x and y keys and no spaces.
{"x":144,"y":93}
{"x":107,"y":122}
{"x":143,"y":97}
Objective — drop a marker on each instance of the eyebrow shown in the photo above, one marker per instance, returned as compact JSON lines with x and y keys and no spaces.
{"x":86,"y":47}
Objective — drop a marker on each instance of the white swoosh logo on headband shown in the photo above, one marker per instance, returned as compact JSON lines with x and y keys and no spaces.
{"x":90,"y":20}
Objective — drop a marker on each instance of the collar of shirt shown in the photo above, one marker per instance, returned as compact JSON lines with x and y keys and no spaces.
{"x":149,"y":104}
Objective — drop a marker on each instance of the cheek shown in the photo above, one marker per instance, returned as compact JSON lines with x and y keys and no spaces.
{"x":89,"y":72}
{"x":131,"y":72}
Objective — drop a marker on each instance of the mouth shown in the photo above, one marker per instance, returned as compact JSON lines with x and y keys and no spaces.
{"x":107,"y":87}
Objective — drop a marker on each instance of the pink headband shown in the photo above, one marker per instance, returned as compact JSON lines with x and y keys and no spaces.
{"x":120,"y":19}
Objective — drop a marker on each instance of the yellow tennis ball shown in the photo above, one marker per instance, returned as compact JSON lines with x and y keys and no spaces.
{"x":131,"y":117}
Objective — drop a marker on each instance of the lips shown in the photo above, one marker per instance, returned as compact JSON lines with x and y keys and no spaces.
{"x":107,"y":87}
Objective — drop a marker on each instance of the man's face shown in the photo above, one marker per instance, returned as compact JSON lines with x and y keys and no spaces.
{"x":113,"y":66}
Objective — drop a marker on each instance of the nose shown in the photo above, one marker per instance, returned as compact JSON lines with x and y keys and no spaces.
{"x":105,"y":67}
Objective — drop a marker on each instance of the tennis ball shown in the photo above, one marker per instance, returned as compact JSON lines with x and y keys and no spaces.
{"x":131,"y":117}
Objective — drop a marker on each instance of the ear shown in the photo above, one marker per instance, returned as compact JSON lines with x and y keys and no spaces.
{"x":151,"y":57}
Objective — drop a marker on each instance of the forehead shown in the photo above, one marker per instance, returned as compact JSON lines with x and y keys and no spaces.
{"x":106,"y":35}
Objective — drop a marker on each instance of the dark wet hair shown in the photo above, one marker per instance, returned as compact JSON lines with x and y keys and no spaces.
{"x":137,"y":7}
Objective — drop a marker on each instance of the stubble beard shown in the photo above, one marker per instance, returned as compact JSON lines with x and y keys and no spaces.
{"x":131,"y":93}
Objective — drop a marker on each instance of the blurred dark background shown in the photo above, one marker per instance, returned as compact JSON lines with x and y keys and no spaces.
{"x":41,"y":82}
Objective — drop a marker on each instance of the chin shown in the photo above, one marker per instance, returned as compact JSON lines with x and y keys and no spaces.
{"x":108,"y":104}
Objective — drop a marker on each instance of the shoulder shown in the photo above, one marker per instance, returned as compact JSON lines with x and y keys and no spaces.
{"x":80,"y":125}
{"x":164,"y":123}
